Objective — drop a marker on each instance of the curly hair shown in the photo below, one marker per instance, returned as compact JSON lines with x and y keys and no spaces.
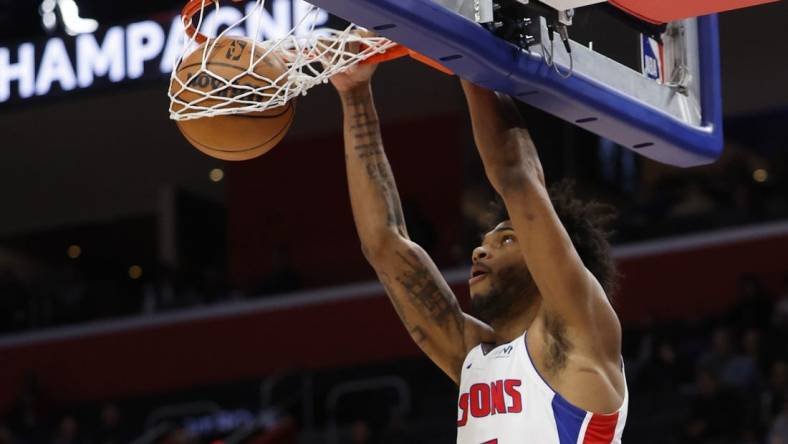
{"x":588,"y":224}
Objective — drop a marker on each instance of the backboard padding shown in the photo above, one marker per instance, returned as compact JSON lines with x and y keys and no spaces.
{"x":475,"y":54}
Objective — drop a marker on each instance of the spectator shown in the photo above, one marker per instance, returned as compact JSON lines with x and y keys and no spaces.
{"x":719,"y":359}
{"x":396,"y":431}
{"x":755,"y":346}
{"x":69,"y":298}
{"x":754,"y":308}
{"x":110,"y":430}
{"x":5,"y":435}
{"x":743,"y":371}
{"x":749,"y":437}
{"x":746,"y":376}
{"x":776,"y":393}
{"x":779,"y":430}
{"x":179,"y":436}
{"x":67,"y":432}
{"x":694,"y":203}
{"x":713,"y":412}
{"x":29,"y":414}
{"x":360,"y":433}
{"x":661,"y":371}
{"x":781,"y":308}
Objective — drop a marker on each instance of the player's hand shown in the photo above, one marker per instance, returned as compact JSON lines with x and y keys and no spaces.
{"x":356,"y":76}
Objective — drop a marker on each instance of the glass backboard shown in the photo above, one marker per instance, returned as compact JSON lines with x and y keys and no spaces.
{"x":664,"y":102}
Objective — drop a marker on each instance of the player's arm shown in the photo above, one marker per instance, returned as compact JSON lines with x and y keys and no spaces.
{"x":512,"y":165}
{"x":420,"y":295}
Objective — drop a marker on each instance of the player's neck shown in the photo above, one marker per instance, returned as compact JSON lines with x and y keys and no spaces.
{"x":521,"y":318}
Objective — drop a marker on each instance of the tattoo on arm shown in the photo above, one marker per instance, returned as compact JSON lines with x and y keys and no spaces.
{"x":368,"y":145}
{"x":425,"y":293}
{"x":417,"y":334}
{"x":424,"y":304}
{"x":422,"y":289}
{"x":385,"y":279}
{"x":422,"y":293}
{"x":415,"y":331}
{"x":428,"y":309}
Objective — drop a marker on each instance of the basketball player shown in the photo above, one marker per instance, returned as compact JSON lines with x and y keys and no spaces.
{"x":540,"y":359}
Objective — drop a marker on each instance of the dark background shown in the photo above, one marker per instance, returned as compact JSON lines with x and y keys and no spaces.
{"x":258,"y":280}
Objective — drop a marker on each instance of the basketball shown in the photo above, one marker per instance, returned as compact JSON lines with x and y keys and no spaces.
{"x":235,"y":136}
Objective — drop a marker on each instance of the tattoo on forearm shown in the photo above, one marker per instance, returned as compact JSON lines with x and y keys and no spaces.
{"x":385,"y":280}
{"x":374,"y":135}
{"x":416,"y":332}
{"x":365,"y":125}
{"x":365,"y":150}
{"x":424,"y":291}
{"x":368,"y":145}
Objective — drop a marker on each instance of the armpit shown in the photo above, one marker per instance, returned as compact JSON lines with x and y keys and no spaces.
{"x":557,"y":344}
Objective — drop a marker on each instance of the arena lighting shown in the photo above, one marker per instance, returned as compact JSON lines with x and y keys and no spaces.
{"x":69,"y":14}
{"x":48,"y":16}
{"x":760,"y":175}
{"x":135,"y":272}
{"x":73,"y":23}
{"x":74,"y":251}
{"x":216,"y":175}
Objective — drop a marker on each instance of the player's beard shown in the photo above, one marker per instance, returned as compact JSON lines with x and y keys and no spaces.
{"x":510,"y":290}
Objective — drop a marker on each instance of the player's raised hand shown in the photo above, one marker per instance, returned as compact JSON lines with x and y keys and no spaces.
{"x":357,"y":75}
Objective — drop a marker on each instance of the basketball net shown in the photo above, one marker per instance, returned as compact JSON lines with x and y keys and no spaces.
{"x":310,"y":56}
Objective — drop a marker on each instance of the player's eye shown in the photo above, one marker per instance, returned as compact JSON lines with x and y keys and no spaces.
{"x":507,"y":239}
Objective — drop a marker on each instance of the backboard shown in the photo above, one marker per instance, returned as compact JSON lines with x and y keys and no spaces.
{"x":667,"y":107}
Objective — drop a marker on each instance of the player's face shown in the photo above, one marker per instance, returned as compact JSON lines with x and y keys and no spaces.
{"x":499,"y":277}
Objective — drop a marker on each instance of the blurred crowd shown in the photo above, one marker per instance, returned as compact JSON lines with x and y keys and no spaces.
{"x":747,"y":185}
{"x":31,"y":422}
{"x":742,"y":188}
{"x":717,"y":380}
{"x":66,"y":297}
{"x":722,"y":380}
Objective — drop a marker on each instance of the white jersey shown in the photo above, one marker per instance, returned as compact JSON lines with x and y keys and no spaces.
{"x":504,"y":400}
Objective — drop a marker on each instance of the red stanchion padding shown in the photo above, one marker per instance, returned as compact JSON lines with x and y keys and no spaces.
{"x":664,"y":11}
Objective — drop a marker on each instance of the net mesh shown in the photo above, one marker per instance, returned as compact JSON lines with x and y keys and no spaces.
{"x":310,"y":56}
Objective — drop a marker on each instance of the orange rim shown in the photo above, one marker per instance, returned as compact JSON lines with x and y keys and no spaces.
{"x":398,"y":51}
{"x":188,"y":12}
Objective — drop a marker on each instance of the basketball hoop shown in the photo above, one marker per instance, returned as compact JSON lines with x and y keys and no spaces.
{"x":310,"y":55}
